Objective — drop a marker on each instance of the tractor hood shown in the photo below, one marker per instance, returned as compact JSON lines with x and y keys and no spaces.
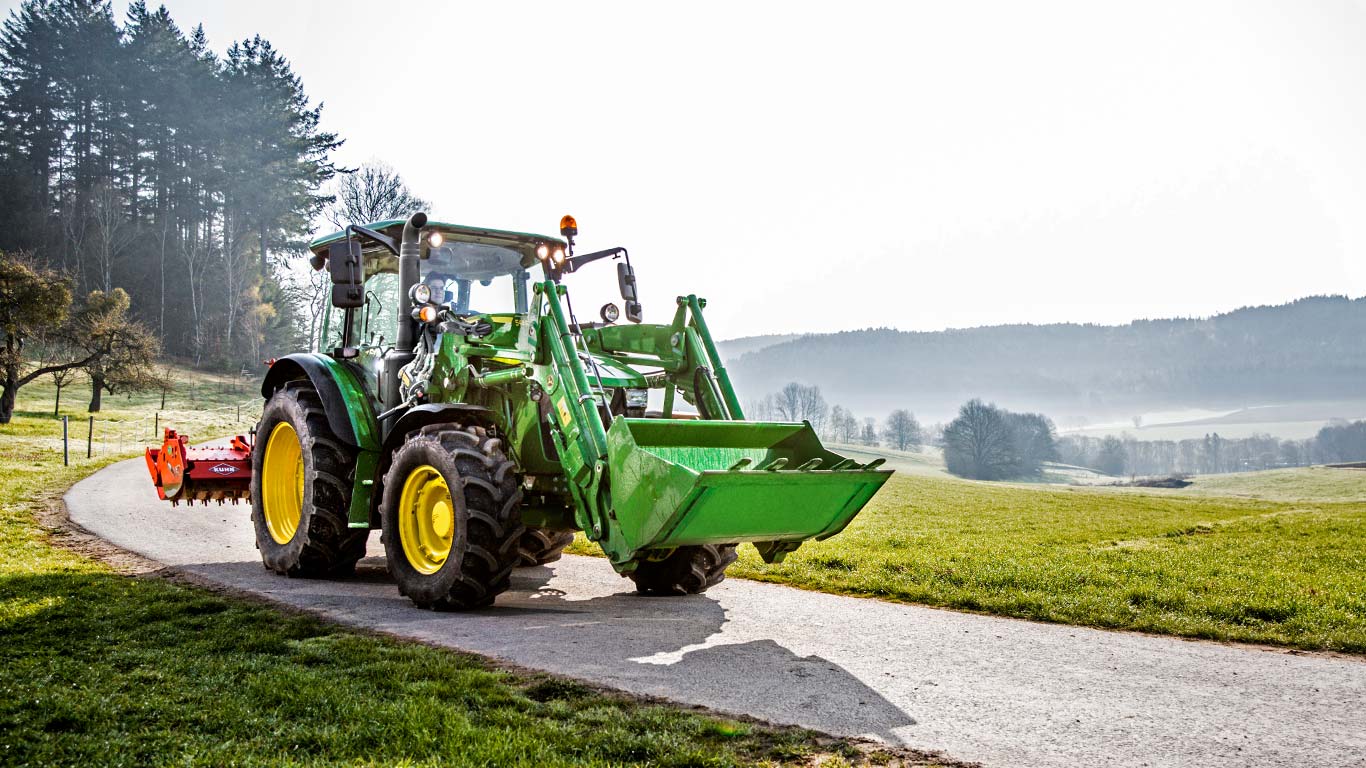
{"x":611,"y":372}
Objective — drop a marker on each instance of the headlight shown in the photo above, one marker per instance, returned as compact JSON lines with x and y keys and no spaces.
{"x":637,"y":398}
{"x":422,"y":293}
{"x":610,"y":313}
{"x":436,"y":239}
{"x":542,"y":251}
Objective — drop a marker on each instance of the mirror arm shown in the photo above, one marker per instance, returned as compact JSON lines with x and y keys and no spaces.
{"x":384,"y":240}
{"x":573,"y":263}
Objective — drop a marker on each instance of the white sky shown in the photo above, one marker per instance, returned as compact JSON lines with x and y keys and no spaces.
{"x":845,"y":165}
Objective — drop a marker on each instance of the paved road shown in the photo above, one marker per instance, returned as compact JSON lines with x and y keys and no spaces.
{"x":999,"y":691}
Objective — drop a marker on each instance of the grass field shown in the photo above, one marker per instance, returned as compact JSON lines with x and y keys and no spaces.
{"x":1287,"y":566}
{"x":97,"y":668}
{"x":1280,"y":571}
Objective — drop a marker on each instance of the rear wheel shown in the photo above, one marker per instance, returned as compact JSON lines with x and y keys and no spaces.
{"x":301,"y":489}
{"x":539,"y":546}
{"x":451,"y":515}
{"x":688,"y":571}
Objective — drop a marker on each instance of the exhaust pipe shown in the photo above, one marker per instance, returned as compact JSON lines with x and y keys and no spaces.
{"x":408,"y":251}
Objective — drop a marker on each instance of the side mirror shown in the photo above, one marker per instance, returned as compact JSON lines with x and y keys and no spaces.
{"x":626,"y":280}
{"x":348,"y":274}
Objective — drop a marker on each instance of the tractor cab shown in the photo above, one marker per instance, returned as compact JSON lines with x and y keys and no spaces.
{"x":470,"y":270}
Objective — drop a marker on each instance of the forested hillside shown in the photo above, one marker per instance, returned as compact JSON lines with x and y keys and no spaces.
{"x":133,"y":156}
{"x":1310,"y":349}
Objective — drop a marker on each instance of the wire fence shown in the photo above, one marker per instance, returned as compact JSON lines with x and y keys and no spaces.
{"x":95,"y":437}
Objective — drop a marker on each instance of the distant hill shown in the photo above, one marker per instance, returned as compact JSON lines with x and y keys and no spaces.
{"x":733,"y":348}
{"x":1309,"y":350}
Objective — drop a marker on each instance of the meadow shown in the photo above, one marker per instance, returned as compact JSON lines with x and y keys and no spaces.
{"x":1276,"y":557}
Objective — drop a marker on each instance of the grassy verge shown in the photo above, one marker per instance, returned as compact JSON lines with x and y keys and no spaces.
{"x":1255,"y":570}
{"x":101,"y":668}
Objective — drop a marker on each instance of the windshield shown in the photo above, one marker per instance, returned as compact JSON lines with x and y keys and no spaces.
{"x":475,"y":278}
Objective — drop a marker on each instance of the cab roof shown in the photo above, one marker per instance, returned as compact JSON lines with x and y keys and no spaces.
{"x":523,"y":241}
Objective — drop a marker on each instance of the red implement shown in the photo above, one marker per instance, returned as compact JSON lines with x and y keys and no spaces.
{"x":183,"y":472}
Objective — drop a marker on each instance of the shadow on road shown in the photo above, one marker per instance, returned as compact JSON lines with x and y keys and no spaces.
{"x":671,"y":647}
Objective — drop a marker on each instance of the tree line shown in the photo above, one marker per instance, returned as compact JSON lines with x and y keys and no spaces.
{"x":803,"y":402}
{"x":1340,"y":442}
{"x":133,"y":157}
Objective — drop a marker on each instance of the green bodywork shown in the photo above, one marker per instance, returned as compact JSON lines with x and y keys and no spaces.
{"x":639,"y":487}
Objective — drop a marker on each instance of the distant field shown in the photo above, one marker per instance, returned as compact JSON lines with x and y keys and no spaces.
{"x":1295,"y":421}
{"x":1304,"y":484}
{"x":201,"y":405}
{"x":927,"y":461}
{"x":1193,"y":564}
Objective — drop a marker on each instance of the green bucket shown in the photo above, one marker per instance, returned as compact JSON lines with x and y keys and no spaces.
{"x":676,"y":483}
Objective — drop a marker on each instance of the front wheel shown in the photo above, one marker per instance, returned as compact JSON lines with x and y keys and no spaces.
{"x":687,"y":571}
{"x":451,"y":517}
{"x":539,"y":546}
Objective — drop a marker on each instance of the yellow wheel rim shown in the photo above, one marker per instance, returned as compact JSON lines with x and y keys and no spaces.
{"x":282,"y":483}
{"x":426,"y":519}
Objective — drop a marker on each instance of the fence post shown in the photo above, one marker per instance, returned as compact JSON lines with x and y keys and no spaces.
{"x":156,"y":425}
{"x":90,"y":437}
{"x":239,"y":412}
{"x":66,"y":453}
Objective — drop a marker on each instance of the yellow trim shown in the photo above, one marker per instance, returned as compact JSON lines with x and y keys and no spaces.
{"x":426,"y":519}
{"x":282,"y":483}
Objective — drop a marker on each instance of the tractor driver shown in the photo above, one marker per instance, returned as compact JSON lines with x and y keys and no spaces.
{"x":437,"y":282}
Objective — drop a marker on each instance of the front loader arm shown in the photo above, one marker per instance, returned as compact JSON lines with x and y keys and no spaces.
{"x":578,"y":434}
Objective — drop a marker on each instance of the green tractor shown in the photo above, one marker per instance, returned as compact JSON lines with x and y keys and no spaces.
{"x":462,"y":409}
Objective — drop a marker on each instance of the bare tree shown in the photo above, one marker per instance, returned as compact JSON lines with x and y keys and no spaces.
{"x":813,"y":407}
{"x":844,"y":427}
{"x":902,"y":430}
{"x":373,"y":192}
{"x":112,"y":232}
{"x":787,"y":403}
{"x":869,"y":436}
{"x":979,"y":444}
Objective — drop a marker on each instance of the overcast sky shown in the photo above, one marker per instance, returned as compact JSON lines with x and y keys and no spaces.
{"x":846,"y":165}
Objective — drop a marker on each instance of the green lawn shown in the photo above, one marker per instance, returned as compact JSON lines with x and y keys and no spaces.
{"x":1282,"y":572}
{"x":1309,"y":484}
{"x":1192,"y":564}
{"x":98,"y":668}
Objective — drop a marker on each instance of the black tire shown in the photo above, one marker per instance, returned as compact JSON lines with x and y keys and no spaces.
{"x":486,"y":506}
{"x":539,"y":546}
{"x":322,"y":546}
{"x":688,"y":571}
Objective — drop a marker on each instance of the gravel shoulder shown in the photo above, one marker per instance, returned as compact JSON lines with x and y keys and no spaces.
{"x":999,"y":691}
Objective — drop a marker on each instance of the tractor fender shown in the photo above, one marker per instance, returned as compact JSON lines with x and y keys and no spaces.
{"x":417,"y":417}
{"x":345,"y":402}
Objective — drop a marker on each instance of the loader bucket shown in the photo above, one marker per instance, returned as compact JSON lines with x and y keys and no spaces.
{"x":677,"y":483}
